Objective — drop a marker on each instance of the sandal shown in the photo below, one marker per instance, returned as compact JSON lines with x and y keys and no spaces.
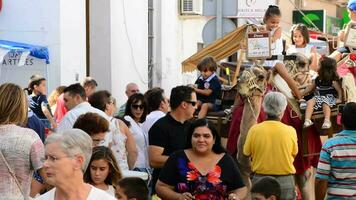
{"x":307,"y":123}
{"x":326,"y":125}
{"x":303,"y":105}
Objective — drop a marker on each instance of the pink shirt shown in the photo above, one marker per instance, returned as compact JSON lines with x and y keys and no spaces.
{"x":23,"y":151}
{"x":61,"y":110}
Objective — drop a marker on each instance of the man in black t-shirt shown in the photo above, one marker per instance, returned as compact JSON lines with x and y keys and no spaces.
{"x":168,"y":134}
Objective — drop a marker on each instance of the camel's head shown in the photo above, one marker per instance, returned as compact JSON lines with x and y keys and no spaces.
{"x":251,"y":80}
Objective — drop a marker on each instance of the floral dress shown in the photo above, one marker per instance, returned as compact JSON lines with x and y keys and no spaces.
{"x":185,"y":177}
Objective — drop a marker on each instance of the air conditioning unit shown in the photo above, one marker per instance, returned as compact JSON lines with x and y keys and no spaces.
{"x":191,"y":7}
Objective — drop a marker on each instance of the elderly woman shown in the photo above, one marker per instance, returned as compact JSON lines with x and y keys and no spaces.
{"x":203,"y":171}
{"x":67,"y":155}
{"x":272,"y":146}
{"x":21,"y":149}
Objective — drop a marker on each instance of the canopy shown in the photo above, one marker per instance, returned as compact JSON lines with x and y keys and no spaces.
{"x":39,"y":52}
{"x":220,"y":49}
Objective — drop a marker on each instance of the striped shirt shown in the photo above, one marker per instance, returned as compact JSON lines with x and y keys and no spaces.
{"x":337,"y":165}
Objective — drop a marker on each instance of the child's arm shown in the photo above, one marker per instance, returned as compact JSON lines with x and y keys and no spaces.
{"x":277,"y":34}
{"x":314,"y":59}
{"x":205,"y":92}
{"x":48,"y":115}
{"x":338,"y":89}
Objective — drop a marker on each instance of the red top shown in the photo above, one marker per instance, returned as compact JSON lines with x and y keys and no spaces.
{"x":61,"y":110}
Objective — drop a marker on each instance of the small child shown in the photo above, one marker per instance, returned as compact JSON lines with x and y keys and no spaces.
{"x":207,"y":86}
{"x":38,"y":101}
{"x":300,"y":44}
{"x":103,"y":171}
{"x":132,"y":188}
{"x":328,"y":92}
{"x":266,"y":188}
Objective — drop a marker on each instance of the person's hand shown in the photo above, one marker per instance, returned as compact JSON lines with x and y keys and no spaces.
{"x":54,"y":126}
{"x":338,"y":101}
{"x":233,"y":196}
{"x":186,"y":196}
{"x":278,"y":33}
{"x":191,"y":85}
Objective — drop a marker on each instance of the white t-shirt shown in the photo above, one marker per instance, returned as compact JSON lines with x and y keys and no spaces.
{"x":111,"y":190}
{"x":72,"y":115}
{"x":276,"y":49}
{"x":151,"y":119}
{"x":304,"y":50}
{"x":94,"y":194}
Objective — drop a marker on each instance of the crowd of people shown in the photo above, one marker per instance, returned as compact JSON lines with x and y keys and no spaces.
{"x":77,"y":145}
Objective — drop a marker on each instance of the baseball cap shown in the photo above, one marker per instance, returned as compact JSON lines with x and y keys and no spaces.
{"x":351,"y":5}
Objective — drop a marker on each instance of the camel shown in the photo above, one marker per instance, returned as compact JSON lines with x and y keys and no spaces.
{"x":251,"y":86}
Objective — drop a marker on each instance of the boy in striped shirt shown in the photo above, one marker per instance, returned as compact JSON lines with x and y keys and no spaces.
{"x":336,"y":173}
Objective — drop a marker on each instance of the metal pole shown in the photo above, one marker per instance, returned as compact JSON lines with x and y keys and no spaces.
{"x":150,"y":44}
{"x":219,"y":18}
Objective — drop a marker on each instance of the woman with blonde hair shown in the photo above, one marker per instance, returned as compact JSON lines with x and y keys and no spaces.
{"x":52,"y":98}
{"x":21,"y":150}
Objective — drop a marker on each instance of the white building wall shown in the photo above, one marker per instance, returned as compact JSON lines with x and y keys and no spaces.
{"x":190,"y":35}
{"x":175,"y":40}
{"x":129,"y":46}
{"x":72,"y":40}
{"x":34,"y":22}
{"x":59,"y":25}
{"x":100,"y":43}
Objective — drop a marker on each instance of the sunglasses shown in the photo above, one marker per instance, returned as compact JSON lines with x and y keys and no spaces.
{"x":192,"y":102}
{"x":137,"y":106}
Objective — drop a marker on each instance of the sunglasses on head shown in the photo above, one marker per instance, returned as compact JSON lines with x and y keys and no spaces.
{"x":136,"y":106}
{"x":192,"y":102}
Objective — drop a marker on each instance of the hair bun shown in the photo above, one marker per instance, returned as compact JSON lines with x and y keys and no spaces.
{"x":273,"y":6}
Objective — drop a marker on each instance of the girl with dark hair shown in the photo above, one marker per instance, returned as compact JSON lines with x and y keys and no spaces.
{"x":203,"y":171}
{"x":38,"y":101}
{"x":103,"y":170}
{"x":135,"y":113}
{"x":300,"y":44}
{"x":272,"y":19}
{"x":328,"y":92}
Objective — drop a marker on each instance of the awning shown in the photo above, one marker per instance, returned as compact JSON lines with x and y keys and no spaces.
{"x":39,"y":52}
{"x":220,"y":49}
